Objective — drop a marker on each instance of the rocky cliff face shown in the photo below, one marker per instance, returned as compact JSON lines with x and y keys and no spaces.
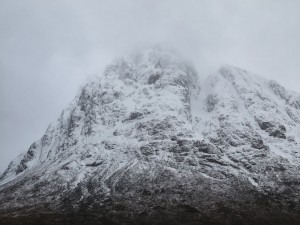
{"x":148,"y":143}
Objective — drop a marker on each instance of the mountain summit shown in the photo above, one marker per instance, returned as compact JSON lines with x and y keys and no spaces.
{"x":148,"y":143}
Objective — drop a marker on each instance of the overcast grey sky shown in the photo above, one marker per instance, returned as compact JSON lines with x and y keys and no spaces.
{"x":48,"y":48}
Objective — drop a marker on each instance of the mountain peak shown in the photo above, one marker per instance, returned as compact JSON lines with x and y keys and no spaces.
{"x":146,"y":142}
{"x":232,"y":72}
{"x":148,"y":64}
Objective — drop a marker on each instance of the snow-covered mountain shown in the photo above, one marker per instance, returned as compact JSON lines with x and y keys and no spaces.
{"x":147,"y":142}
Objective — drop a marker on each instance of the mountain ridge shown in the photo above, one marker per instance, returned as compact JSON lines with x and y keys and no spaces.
{"x":150,"y":140}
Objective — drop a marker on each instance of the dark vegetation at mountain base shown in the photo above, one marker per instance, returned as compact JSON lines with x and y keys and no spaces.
{"x":240,"y":204}
{"x":179,"y":215}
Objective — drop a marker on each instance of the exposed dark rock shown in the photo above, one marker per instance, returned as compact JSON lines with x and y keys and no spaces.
{"x":173,"y":138}
{"x":65,"y":166}
{"x":206,"y":147}
{"x":282,"y":128}
{"x":108,"y":145}
{"x":278,"y":134}
{"x":279,"y":90}
{"x":266,"y":125}
{"x":211,"y":102}
{"x":257,"y":142}
{"x":180,"y":149}
{"x":21,"y":167}
{"x":147,"y":150}
{"x":27,"y":157}
{"x":134,"y":115}
{"x":274,"y":130}
{"x":153,"y":78}
{"x":94,"y":164}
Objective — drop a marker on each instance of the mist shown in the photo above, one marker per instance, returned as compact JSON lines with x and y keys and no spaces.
{"x":48,"y":48}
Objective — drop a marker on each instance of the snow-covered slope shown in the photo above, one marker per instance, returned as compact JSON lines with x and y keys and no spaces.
{"x":148,"y":140}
